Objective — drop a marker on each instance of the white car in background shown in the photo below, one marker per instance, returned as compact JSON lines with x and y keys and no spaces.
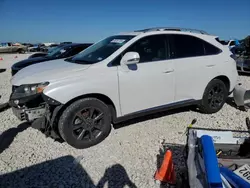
{"x":121,"y":77}
{"x":231,"y":44}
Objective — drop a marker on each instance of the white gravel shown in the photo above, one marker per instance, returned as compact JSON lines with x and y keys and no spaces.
{"x":127,"y":157}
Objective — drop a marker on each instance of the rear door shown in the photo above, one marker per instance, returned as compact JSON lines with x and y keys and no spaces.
{"x":194,"y":67}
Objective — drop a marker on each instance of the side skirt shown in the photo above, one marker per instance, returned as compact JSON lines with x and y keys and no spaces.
{"x":156,"y":109}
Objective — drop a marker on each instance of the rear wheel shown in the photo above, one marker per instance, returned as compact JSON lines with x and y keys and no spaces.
{"x":214,"y":97}
{"x":85,"y":123}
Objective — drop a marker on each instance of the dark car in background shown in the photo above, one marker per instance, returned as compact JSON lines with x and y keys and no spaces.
{"x":60,"y":52}
{"x":242,"y":55}
{"x":65,"y":43}
{"x":38,"y":54}
{"x":49,"y":48}
{"x":36,"y":47}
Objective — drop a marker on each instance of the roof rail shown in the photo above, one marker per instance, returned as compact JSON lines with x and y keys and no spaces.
{"x":172,"y":29}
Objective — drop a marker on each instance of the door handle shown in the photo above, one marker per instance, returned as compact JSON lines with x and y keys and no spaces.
{"x":168,"y":71}
{"x":210,"y":65}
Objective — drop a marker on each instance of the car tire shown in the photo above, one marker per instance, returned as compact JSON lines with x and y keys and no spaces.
{"x":214,"y":97}
{"x":20,"y":51}
{"x":85,"y":123}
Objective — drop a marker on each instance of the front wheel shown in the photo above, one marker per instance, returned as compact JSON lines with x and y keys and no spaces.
{"x":214,"y":97}
{"x":85,"y":123}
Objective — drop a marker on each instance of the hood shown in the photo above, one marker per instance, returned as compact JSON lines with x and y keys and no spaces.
{"x":24,"y":63}
{"x":48,"y":71}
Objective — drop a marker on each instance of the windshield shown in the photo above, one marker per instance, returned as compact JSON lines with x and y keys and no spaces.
{"x":56,"y":52}
{"x":101,"y":50}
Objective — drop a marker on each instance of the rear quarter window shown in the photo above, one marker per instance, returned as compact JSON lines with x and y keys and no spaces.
{"x":211,"y":49}
{"x":186,"y":46}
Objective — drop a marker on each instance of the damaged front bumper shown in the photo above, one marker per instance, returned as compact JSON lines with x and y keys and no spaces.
{"x":38,"y":109}
{"x":29,"y":114}
{"x":32,"y":107}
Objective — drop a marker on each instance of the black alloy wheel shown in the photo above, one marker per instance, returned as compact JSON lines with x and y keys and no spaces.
{"x":85,"y":123}
{"x":214,"y":97}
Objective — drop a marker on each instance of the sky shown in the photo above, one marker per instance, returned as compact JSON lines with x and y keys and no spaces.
{"x":90,"y":21}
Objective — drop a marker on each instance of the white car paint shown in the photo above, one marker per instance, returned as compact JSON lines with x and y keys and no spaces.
{"x":144,"y":86}
{"x":154,"y":81}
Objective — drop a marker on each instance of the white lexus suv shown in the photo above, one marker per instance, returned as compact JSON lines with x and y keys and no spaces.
{"x":123,"y":76}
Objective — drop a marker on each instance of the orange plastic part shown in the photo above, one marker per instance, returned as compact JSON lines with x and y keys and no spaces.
{"x":166,"y":173}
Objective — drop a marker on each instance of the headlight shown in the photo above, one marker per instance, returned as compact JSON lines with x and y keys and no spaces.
{"x":31,"y":89}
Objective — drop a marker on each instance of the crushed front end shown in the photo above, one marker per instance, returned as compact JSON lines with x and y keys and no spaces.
{"x":29,"y":103}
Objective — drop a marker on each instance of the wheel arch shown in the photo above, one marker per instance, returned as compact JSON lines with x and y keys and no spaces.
{"x":99,"y":96}
{"x":225,"y":80}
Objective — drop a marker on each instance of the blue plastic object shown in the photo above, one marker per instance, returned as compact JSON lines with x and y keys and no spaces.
{"x":237,"y":42}
{"x":211,"y":162}
{"x":234,"y":179}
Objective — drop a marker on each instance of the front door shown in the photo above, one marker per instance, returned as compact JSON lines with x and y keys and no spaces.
{"x":150,"y":83}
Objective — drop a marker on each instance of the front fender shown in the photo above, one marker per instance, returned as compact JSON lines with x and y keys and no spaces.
{"x":103,"y":83}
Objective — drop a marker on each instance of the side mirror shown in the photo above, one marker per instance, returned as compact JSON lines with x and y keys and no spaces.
{"x":130,"y":58}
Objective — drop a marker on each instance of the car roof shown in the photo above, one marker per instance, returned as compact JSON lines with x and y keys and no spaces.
{"x":169,"y":30}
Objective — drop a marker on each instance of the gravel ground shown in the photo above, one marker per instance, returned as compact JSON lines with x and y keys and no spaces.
{"x":127,"y":158}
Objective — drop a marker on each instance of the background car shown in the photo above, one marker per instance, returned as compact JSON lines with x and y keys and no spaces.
{"x":60,"y":52}
{"x":66,"y":43}
{"x":242,"y":55}
{"x":36,"y":47}
{"x":38,"y":54}
{"x":233,"y":43}
{"x":49,"y":48}
{"x":9,"y":47}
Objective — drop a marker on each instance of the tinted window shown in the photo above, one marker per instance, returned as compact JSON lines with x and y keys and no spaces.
{"x":57,"y":52}
{"x":101,"y":50}
{"x":150,"y":48}
{"x":186,"y":46}
{"x":210,"y":49}
{"x":76,"y":50}
{"x":116,"y":61}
